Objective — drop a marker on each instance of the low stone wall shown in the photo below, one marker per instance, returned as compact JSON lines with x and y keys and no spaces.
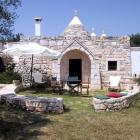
{"x":113,"y":104}
{"x":30,"y":103}
{"x":9,"y":97}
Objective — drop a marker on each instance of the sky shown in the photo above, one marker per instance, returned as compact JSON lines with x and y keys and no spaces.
{"x":115,"y":17}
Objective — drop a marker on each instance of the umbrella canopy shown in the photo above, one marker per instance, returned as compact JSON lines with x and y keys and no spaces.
{"x":31,"y":49}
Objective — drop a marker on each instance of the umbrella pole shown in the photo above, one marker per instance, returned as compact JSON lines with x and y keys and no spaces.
{"x":31,"y":70}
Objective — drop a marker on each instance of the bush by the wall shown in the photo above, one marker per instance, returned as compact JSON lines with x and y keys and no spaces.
{"x":8,"y":76}
{"x":137,"y":80}
{"x":114,"y":90}
{"x":135,"y":40}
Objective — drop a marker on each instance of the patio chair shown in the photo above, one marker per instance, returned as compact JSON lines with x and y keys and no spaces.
{"x":38,"y":79}
{"x":84,"y":85}
{"x":73,"y":83}
{"x":57,"y":86}
{"x":114,"y":82}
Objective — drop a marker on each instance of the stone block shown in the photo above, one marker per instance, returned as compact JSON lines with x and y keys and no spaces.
{"x":100,"y":107}
{"x":114,"y":104}
{"x":4,"y":97}
{"x":59,"y":43}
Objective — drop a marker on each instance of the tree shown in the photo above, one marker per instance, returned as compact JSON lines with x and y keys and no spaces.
{"x":7,"y":18}
{"x":14,"y":37}
{"x":135,"y":40}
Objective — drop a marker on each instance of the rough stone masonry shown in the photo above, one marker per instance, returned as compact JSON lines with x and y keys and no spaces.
{"x":30,"y":103}
{"x":94,"y":52}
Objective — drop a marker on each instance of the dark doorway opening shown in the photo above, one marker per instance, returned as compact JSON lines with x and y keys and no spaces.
{"x":75,"y":68}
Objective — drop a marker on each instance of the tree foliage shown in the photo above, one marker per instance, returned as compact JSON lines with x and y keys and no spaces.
{"x":137,"y":80}
{"x":7,"y":18}
{"x":8,"y":62}
{"x":14,"y":37}
{"x":135,"y":40}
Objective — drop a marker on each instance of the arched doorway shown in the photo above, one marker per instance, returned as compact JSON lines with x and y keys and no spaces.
{"x":75,"y":63}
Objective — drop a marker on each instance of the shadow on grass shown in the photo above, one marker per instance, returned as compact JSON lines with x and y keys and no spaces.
{"x":20,"y":125}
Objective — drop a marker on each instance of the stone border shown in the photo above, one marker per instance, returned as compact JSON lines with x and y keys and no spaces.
{"x":30,"y":103}
{"x":114,"y":104}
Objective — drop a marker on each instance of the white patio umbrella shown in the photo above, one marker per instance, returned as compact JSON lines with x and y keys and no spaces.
{"x":31,"y":49}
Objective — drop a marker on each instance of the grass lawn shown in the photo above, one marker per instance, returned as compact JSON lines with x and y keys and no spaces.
{"x":80,"y":122}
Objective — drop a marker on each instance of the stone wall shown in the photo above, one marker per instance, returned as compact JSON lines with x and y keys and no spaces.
{"x":38,"y":104}
{"x":29,"y":103}
{"x":135,"y":57}
{"x":43,"y":64}
{"x":112,"y":49}
{"x":114,"y":104}
{"x":100,"y":51}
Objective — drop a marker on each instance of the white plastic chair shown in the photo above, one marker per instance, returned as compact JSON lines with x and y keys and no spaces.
{"x":114,"y":81}
{"x":38,"y":78}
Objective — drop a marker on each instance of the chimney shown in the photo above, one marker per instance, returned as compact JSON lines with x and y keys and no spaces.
{"x":38,"y":26}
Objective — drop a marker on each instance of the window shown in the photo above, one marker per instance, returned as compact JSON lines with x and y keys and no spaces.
{"x":112,"y":65}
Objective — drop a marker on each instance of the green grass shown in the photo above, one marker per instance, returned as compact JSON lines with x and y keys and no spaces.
{"x":79,"y":122}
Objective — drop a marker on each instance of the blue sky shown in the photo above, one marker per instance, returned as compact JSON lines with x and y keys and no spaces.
{"x":116,"y":17}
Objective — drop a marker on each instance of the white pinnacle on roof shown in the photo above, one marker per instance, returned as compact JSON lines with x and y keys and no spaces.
{"x":103,"y":34}
{"x":75,"y":20}
{"x":93,"y":32}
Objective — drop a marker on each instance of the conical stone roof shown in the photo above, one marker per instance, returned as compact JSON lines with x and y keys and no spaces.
{"x":75,"y":21}
{"x":75,"y":28}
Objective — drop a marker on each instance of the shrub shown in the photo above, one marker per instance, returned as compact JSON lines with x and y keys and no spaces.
{"x":137,"y":80}
{"x":8,"y":76}
{"x":114,"y":90}
{"x":8,"y":62}
{"x":135,"y":40}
